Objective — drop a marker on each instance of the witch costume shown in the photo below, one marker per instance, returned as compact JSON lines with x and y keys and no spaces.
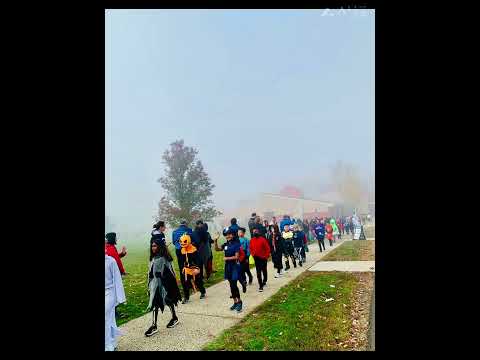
{"x":162,"y":287}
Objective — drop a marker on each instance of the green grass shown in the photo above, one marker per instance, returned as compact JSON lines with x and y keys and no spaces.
{"x":135,"y":282}
{"x":352,"y":251}
{"x":297,"y":318}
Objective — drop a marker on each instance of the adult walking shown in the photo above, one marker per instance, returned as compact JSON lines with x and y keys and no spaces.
{"x":233,"y":270}
{"x":260,"y":250}
{"x":204,"y":250}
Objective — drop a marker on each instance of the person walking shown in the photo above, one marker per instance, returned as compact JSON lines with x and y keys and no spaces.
{"x":177,"y":233}
{"x":260,"y":250}
{"x":233,"y":270}
{"x":245,"y":265}
{"x":162,"y":285}
{"x":329,"y":231}
{"x":114,"y":295}
{"x":320,"y":234}
{"x":204,"y":250}
{"x":287,"y":237}
{"x":335,"y":229}
{"x":298,"y":244}
{"x":191,"y":272}
{"x":278,"y":250}
{"x":111,"y":250}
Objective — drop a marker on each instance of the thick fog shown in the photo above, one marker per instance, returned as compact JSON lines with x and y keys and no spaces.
{"x":268,"y":97}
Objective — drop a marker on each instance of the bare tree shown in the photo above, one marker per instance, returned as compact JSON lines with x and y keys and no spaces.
{"x":348,"y":183}
{"x":187,"y":187}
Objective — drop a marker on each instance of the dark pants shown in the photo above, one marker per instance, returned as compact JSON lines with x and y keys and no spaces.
{"x":234,"y":289}
{"x":246,"y":270}
{"x":261,"y":267}
{"x":321,"y":242}
{"x":277,"y":260}
{"x":288,"y":253}
{"x":187,"y":284}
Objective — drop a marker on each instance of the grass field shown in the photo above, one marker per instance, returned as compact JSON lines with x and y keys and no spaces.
{"x":353,"y":250}
{"x":297,"y":317}
{"x":135,"y":282}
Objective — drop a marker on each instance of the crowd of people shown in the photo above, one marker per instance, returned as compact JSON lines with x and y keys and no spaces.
{"x":285,"y":242}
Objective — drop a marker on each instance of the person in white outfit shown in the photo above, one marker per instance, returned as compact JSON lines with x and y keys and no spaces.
{"x":114,"y":295}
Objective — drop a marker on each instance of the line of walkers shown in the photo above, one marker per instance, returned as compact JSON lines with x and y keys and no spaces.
{"x":193,"y":249}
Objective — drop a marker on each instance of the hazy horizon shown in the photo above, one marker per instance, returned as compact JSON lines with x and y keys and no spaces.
{"x":268,"y":97}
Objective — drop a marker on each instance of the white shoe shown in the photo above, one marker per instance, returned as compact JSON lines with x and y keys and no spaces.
{"x":277,"y":275}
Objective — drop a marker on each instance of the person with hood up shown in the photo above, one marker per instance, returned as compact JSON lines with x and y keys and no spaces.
{"x":162,"y":285}
{"x":190,"y":273}
{"x":204,"y":249}
{"x":298,"y":244}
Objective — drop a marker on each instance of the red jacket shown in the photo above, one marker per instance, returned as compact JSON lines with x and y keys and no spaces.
{"x":111,"y":250}
{"x":259,"y":247}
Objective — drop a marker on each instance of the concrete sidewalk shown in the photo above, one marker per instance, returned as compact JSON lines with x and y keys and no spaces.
{"x":348,"y":266}
{"x":202,"y":320}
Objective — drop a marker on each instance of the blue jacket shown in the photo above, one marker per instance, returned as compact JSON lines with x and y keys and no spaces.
{"x":182,"y":229}
{"x":234,"y":227}
{"x":320,"y":231}
{"x":298,"y":238}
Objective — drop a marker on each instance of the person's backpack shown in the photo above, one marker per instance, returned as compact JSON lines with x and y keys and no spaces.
{"x":241,"y":254}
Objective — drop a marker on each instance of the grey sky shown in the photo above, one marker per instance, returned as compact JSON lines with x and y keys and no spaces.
{"x":268,"y":97}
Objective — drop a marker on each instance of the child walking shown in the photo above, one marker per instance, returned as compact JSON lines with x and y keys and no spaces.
{"x":162,"y":284}
{"x":114,"y":295}
{"x":232,"y":265}
{"x":278,"y":249}
{"x":320,"y":234}
{"x":329,"y":231}
{"x":287,"y":237}
{"x":245,"y":243}
{"x":260,"y":250}
{"x":298,"y":244}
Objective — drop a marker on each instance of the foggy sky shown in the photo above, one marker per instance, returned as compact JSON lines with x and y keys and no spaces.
{"x":268,"y":97}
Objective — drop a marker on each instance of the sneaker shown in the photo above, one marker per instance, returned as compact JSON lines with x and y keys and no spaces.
{"x":172,"y":323}
{"x":151,"y":330}
{"x":264,"y":284}
{"x":244,"y":287}
{"x":250,"y":281}
{"x":300,"y":263}
{"x":233,"y":307}
{"x":260,"y":289}
{"x":184,"y":301}
{"x":202,"y":296}
{"x":239,"y":306}
{"x":277,"y":275}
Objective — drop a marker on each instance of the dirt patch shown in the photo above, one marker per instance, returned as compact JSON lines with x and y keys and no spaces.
{"x":360,"y":313}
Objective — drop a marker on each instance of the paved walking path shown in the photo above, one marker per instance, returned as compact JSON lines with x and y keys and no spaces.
{"x":202,"y":320}
{"x":350,"y":266}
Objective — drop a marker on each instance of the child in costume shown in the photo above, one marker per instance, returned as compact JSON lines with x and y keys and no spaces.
{"x":329,"y":231}
{"x":335,"y":229}
{"x":162,"y":284}
{"x":287,"y":237}
{"x":114,"y":295}
{"x":191,"y":273}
